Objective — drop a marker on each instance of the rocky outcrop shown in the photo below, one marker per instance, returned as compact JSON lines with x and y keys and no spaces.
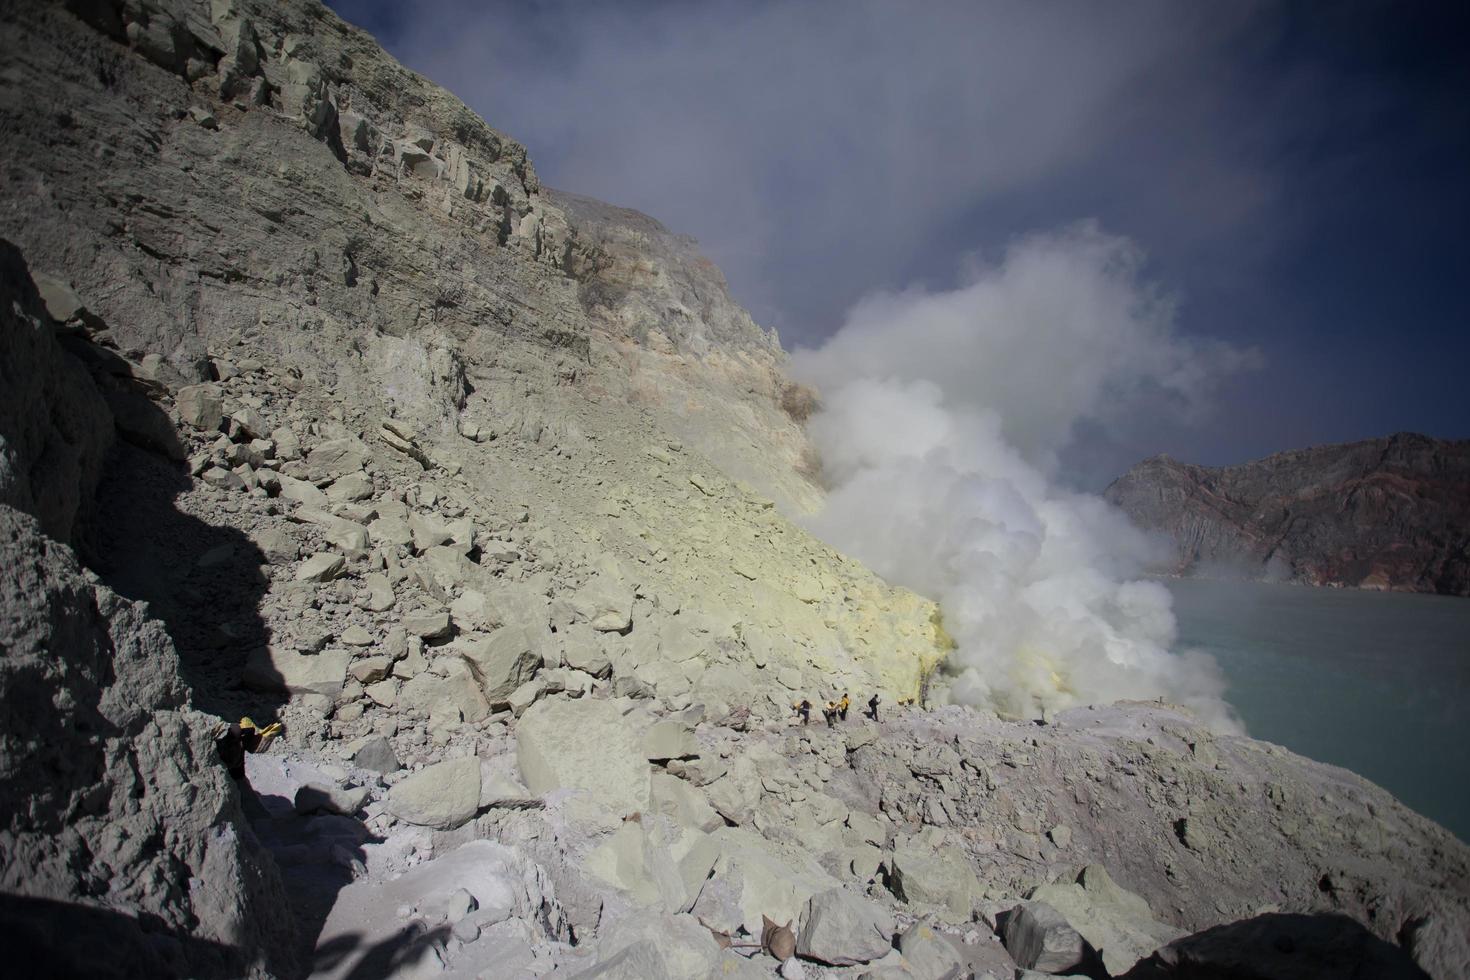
{"x":115,"y":820}
{"x":691,"y":352}
{"x":1391,"y":513}
{"x":55,"y":428}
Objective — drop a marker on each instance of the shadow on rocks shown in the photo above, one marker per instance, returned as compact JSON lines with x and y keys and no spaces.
{"x":201,"y":576}
{"x":390,"y":957}
{"x":44,"y":938}
{"x":318,"y":855}
{"x":1281,"y":946}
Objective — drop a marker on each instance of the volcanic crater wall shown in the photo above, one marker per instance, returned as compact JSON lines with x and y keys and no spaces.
{"x":1390,"y":513}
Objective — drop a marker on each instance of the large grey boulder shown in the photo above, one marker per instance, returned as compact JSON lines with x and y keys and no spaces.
{"x":1114,"y":921}
{"x":333,"y":459}
{"x":501,"y":662}
{"x":587,"y":745}
{"x":686,"y":947}
{"x":683,"y":802}
{"x":55,"y":428}
{"x":842,"y":929}
{"x":429,"y":624}
{"x":605,"y":603}
{"x":1039,"y":938}
{"x":930,"y":954}
{"x":751,"y":878}
{"x":938,"y":877}
{"x":377,"y":754}
{"x":302,"y":492}
{"x":669,"y":739}
{"x":276,"y":668}
{"x":453,"y":692}
{"x":442,"y":796}
{"x":200,"y":406}
{"x":321,"y":567}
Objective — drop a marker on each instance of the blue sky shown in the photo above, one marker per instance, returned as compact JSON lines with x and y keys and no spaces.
{"x":1295,"y":173}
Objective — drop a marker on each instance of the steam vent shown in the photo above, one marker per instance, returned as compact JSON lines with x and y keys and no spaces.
{"x":318,"y":409}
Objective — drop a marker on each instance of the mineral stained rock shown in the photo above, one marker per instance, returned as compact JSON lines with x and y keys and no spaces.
{"x":1390,"y":513}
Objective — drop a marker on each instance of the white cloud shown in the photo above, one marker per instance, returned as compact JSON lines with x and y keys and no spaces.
{"x":942,"y":414}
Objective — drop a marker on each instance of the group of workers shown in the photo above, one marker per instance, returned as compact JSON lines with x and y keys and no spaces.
{"x":834,"y":711}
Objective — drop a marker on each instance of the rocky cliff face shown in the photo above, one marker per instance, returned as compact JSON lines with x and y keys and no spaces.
{"x":472,"y":485}
{"x":1390,"y":513}
{"x":114,"y":822}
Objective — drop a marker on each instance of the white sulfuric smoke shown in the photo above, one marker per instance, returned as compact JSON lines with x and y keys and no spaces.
{"x":943,"y":414}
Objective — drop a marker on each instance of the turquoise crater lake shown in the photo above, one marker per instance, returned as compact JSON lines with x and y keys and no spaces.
{"x":1378,"y":683}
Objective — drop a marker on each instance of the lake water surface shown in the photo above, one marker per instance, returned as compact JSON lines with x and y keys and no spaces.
{"x":1374,"y":682}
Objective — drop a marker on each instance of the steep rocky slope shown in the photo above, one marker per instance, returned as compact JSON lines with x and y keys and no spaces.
{"x":355,"y":426}
{"x":1391,"y":513}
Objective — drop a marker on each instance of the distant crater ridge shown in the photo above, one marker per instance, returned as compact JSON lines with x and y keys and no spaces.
{"x":1390,"y":514}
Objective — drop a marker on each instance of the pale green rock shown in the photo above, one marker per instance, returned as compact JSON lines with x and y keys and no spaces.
{"x":352,"y":487}
{"x":501,"y":662}
{"x":683,"y":803}
{"x":940,"y":877}
{"x":840,"y":928}
{"x":369,"y":670}
{"x":669,"y":740}
{"x":428,"y":624}
{"x":929,"y":953}
{"x":321,"y":567}
{"x":443,"y":796}
{"x":457,"y":692}
{"x":586,"y":745}
{"x":1116,"y":922}
{"x":276,"y":668}
{"x":391,"y":531}
{"x":752,"y":877}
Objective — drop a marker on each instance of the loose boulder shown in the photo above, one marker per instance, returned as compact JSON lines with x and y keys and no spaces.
{"x":1039,"y":938}
{"x":843,"y":929}
{"x":276,"y":668}
{"x":200,"y":406}
{"x":1114,"y":921}
{"x":429,"y":625}
{"x":377,"y":754}
{"x":501,"y":662}
{"x":669,"y":740}
{"x":443,"y":796}
{"x":323,"y":798}
{"x":939,"y":877}
{"x":321,"y":567}
{"x":930,"y":955}
{"x":587,"y":745}
{"x":334,"y":458}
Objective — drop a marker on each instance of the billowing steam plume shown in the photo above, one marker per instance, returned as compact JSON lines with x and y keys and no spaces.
{"x":943,"y":416}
